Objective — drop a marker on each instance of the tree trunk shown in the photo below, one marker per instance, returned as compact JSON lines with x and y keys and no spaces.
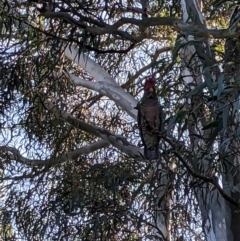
{"x":196,"y":60}
{"x":161,"y":217}
{"x":229,"y":145}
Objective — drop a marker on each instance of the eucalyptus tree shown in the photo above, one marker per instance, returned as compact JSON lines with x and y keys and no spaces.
{"x":71,"y":158}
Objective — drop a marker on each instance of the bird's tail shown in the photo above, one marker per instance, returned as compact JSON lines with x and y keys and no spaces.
{"x":151,"y":153}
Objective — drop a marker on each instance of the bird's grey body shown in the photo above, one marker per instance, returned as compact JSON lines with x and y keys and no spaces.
{"x":150,"y":121}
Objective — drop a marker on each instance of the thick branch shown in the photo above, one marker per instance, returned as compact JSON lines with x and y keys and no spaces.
{"x":105,"y":83}
{"x":81,"y":24}
{"x":177,"y":24}
{"x":139,"y":72}
{"x":52,"y":161}
{"x":117,"y":141}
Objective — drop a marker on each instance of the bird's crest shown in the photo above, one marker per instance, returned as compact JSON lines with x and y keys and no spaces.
{"x":149,"y":83}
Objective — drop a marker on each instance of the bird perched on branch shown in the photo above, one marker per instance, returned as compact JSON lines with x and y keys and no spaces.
{"x":150,"y":120}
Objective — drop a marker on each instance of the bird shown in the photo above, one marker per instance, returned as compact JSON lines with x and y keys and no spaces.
{"x":150,"y":119}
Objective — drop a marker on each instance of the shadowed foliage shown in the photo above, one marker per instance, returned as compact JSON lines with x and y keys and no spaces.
{"x":71,"y":160}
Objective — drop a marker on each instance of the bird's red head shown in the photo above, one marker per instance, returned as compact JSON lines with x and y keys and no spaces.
{"x":149,"y":84}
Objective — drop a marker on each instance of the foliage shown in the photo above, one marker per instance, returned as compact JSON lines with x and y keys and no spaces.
{"x":105,"y":194}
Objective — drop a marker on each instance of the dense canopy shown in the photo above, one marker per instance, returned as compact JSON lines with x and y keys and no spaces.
{"x":71,"y":159}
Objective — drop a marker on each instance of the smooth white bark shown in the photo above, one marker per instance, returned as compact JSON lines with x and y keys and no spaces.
{"x":104,"y":84}
{"x":213,"y":208}
{"x":52,"y":161}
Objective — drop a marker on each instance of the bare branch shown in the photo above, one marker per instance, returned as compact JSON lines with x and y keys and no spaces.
{"x":105,"y":83}
{"x":117,"y":141}
{"x":177,"y":24}
{"x":52,"y":161}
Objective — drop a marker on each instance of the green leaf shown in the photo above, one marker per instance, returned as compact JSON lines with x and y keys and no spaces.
{"x":139,"y":224}
{"x":177,"y":118}
{"x":170,"y":124}
{"x":193,"y":160}
{"x":176,"y":49}
{"x":215,"y":133}
{"x":236,"y":188}
{"x":179,"y":45}
{"x":225,"y":115}
{"x":218,"y":2}
{"x":70,"y":205}
{"x":225,"y":143}
{"x":197,"y":90}
{"x":211,"y":125}
{"x":237,"y":77}
{"x":220,"y":85}
{"x":227,"y":90}
{"x":237,"y":133}
{"x":208,"y":79}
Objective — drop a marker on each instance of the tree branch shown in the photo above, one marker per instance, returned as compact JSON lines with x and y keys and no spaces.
{"x":138,"y":73}
{"x":117,"y":141}
{"x":53,"y":161}
{"x":177,"y":24}
{"x":105,"y":83}
{"x":94,"y":30}
{"x":212,"y":180}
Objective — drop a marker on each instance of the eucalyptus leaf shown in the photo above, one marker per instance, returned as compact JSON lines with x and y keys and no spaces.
{"x":225,"y":115}
{"x":170,"y":124}
{"x":211,"y":125}
{"x":219,"y":2}
{"x":208,"y":79}
{"x":176,"y":49}
{"x":227,"y":90}
{"x":197,"y":90}
{"x":237,"y":132}
{"x":225,"y":143}
{"x":237,"y":77}
{"x":236,"y":188}
{"x":220,"y":85}
{"x":215,"y":133}
{"x":178,"y":117}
